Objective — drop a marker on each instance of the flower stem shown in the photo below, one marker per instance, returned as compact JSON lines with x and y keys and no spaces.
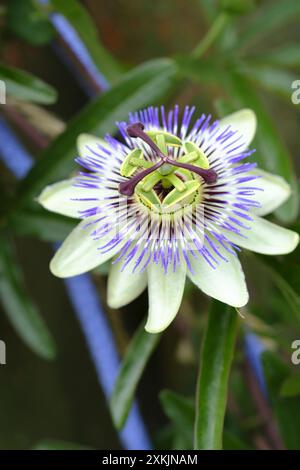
{"x":215,"y":365}
{"x":211,"y":35}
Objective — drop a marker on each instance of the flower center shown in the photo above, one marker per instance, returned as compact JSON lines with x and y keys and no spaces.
{"x":169,"y":181}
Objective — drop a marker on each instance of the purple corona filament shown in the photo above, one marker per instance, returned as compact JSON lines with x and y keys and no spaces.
{"x":137,"y":130}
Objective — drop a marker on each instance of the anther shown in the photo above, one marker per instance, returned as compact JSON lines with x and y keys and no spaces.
{"x":209,"y":176}
{"x":137,"y":130}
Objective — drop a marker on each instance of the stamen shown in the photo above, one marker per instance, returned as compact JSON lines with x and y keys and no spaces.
{"x":127,"y":187}
{"x":209,"y":176}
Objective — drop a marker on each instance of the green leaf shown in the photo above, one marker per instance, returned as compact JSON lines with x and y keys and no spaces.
{"x":84,"y":25}
{"x":291,"y":297}
{"x":41,"y":224}
{"x":291,"y":386}
{"x":51,"y":444}
{"x":215,"y":363}
{"x":27,"y":21}
{"x":21,"y":312}
{"x":181,"y":412}
{"x":238,"y":7}
{"x":271,"y":154}
{"x":201,"y":70}
{"x":287,"y":55}
{"x":276,"y":270}
{"x":24,"y":86}
{"x":223,"y":107}
{"x":275,"y":373}
{"x":274,"y":80}
{"x":139,"y":351}
{"x":209,"y":8}
{"x":232,"y":442}
{"x":269,"y":18}
{"x":142,"y":86}
{"x":286,"y":409}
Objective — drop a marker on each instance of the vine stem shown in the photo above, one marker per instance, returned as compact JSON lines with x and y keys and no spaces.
{"x":214,"y":31}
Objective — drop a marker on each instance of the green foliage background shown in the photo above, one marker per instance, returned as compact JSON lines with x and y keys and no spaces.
{"x":220,"y":56}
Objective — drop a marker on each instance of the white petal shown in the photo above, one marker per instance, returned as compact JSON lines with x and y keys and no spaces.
{"x":125,"y":282}
{"x":79,"y":253}
{"x":266,"y":238}
{"x":165,"y":295}
{"x":275,"y":192}
{"x":62,"y":198}
{"x":87,"y":140}
{"x":243,"y":121}
{"x":124,"y":286}
{"x":225,"y":283}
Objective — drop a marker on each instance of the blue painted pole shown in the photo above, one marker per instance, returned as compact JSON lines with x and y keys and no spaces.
{"x":98,"y":335}
{"x":78,"y":48}
{"x":253,"y":350}
{"x":18,"y":162}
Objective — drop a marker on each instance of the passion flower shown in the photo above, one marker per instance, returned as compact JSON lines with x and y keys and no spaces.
{"x":169,"y":198}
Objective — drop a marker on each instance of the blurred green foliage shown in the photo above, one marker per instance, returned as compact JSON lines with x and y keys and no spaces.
{"x":27,"y":22}
{"x":238,"y":60}
{"x":24,"y":86}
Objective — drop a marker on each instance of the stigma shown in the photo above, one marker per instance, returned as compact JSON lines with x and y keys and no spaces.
{"x":164,"y":168}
